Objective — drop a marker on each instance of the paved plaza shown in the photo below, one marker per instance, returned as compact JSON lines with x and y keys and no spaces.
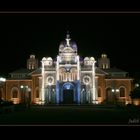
{"x":72,"y":115}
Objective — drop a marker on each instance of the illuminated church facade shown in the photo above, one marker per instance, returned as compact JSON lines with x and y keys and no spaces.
{"x":68,"y":79}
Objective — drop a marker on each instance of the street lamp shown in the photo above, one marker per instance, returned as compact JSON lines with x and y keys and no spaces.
{"x":49,"y":92}
{"x":24,"y":89}
{"x":2,"y":81}
{"x":53,"y":95}
{"x":115,"y":91}
{"x":82,"y":97}
{"x":50,"y":81}
{"x":137,"y":85}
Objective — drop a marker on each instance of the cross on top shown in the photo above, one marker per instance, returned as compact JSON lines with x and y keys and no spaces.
{"x":68,"y":39}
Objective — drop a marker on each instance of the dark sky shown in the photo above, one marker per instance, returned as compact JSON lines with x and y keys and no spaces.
{"x":116,"y":34}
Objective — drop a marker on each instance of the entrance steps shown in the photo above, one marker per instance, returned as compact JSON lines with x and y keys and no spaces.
{"x":79,"y":105}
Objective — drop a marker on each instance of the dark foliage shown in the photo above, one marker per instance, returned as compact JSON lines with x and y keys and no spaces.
{"x":135,"y":93}
{"x":5,"y":103}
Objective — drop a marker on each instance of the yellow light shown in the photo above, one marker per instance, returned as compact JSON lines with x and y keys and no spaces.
{"x":136,"y":102}
{"x":15,"y":100}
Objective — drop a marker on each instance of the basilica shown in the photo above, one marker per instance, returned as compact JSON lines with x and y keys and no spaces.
{"x":68,"y":79}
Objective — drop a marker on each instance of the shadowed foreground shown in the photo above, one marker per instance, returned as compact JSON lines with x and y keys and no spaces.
{"x":72,"y":115}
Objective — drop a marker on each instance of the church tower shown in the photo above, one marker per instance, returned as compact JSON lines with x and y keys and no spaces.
{"x":32,"y":62}
{"x":104,"y":62}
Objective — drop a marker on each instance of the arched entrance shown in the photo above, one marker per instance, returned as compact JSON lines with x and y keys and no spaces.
{"x":68,"y":93}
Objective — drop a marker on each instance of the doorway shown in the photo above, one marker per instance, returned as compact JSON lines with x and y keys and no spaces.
{"x":68,"y":93}
{"x":68,"y":96}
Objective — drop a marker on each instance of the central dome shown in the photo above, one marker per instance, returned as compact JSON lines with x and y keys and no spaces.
{"x":67,"y":43}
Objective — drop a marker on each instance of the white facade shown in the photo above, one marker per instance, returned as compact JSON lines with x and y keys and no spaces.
{"x":68,"y":80}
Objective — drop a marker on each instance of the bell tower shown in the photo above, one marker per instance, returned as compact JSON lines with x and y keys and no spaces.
{"x":104,"y":62}
{"x":32,"y":62}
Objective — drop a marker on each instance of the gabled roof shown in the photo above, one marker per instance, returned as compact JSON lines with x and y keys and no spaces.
{"x":37,"y":71}
{"x":100,"y":71}
{"x":22,"y":71}
{"x":114,"y":70}
{"x":21,"y":78}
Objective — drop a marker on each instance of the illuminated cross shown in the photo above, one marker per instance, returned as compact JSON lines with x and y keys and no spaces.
{"x":68,"y":39}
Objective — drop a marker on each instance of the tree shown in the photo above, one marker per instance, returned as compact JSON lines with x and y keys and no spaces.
{"x":135,"y":93}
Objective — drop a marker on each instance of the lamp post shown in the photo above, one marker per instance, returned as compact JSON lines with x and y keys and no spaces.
{"x":87,"y":93}
{"x":86,"y":81}
{"x":24,"y":89}
{"x":2,"y":81}
{"x":137,"y":85}
{"x":115,"y":91}
{"x":28,"y":97}
{"x":22,"y":93}
{"x":49,"y":93}
{"x":82,"y":96}
{"x":53,"y":95}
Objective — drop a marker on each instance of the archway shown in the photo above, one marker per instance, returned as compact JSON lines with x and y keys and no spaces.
{"x":68,"y":93}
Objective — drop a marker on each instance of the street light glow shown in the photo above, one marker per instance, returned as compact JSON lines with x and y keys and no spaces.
{"x":136,"y":85}
{"x":2,"y":79}
{"x":113,"y":90}
{"x":117,"y":90}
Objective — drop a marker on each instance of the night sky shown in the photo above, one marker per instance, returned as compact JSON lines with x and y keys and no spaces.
{"x":116,"y":34}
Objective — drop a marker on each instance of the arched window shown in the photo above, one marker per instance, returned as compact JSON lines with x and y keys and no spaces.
{"x":122,"y":92}
{"x":37,"y":93}
{"x":99,"y":92}
{"x":14,"y":93}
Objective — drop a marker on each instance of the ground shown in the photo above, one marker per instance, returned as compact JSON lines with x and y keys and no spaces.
{"x":72,"y":115}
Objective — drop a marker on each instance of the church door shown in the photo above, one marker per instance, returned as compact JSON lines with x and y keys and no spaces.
{"x":68,"y":93}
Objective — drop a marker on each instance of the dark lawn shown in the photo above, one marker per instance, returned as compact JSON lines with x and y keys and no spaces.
{"x":72,"y":115}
